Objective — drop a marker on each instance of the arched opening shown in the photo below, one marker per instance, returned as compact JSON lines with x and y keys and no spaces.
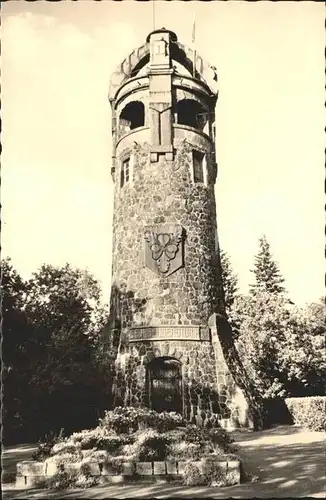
{"x":191,"y":113}
{"x":164,"y":380}
{"x":132,"y":116}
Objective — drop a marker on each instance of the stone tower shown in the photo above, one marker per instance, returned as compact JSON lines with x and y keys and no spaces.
{"x":171,"y":343}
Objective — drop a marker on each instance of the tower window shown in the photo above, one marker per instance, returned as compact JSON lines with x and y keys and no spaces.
{"x":125,"y":172}
{"x":197,"y":160}
{"x":132,"y":116}
{"x":191,"y":113}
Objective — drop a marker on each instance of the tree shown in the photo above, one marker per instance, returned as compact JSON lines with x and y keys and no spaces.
{"x":266,"y":271}
{"x":64,"y":309}
{"x":229,"y":280}
{"x":262,"y":323}
{"x":281,"y":346}
{"x":54,"y":360}
{"x":303,"y":355}
{"x":16,"y":335}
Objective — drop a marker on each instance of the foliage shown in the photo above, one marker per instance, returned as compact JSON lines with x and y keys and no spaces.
{"x":214,"y":473}
{"x":185,"y":451}
{"x":303,"y":355}
{"x":201,"y":435}
{"x":72,"y":478}
{"x":194,"y":442}
{"x":150,"y":445}
{"x":229,"y":280}
{"x":281,"y":346}
{"x":51,"y":324}
{"x":262,"y":321}
{"x":130,"y":419}
{"x":192,"y":475}
{"x":62,"y":480}
{"x":45,"y":446}
{"x":310,"y":412}
{"x":266,"y":271}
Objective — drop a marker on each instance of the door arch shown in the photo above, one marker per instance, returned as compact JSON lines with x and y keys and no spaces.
{"x":164,"y":378}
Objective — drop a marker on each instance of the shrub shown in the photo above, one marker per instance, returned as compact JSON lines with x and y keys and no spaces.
{"x":128,"y":420}
{"x":66,"y":447}
{"x":202,"y":436}
{"x":46,"y":444}
{"x":310,"y":412}
{"x":166,"y":421}
{"x":221,"y":438}
{"x":63,"y":459}
{"x":192,"y":476}
{"x":62,"y":480}
{"x":185,"y":451}
{"x":150,"y":445}
{"x":83,"y":481}
{"x":99,"y":438}
{"x":214,"y":474}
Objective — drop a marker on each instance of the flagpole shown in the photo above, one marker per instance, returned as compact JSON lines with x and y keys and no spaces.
{"x":193,"y":47}
{"x":153,"y":12}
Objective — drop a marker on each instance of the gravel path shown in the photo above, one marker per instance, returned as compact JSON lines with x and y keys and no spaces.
{"x":289,"y":462}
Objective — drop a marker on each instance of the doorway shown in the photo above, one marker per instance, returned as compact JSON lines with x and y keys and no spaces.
{"x":165,"y":385}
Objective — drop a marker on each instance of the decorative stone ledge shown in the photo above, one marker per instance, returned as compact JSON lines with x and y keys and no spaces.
{"x":31,"y":474}
{"x":169,"y":332}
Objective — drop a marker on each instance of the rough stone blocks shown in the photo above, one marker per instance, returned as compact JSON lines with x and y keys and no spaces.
{"x":159,"y":468}
{"x":128,"y":469}
{"x":171,"y":467}
{"x":30,"y":468}
{"x":144,"y":468}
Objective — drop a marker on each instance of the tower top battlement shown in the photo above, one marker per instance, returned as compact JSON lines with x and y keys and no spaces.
{"x":163,"y":44}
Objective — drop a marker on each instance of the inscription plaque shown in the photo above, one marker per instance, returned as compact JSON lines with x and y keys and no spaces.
{"x":169,"y":333}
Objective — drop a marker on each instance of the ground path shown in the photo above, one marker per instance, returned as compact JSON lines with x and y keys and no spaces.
{"x":289,"y":461}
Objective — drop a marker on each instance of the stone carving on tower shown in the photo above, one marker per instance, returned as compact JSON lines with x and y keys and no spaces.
{"x":167,"y":304}
{"x":163,"y":251}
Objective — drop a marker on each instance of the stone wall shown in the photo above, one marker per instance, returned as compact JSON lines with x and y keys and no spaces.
{"x":162,"y":193}
{"x":36,"y":474}
{"x":214,"y":384}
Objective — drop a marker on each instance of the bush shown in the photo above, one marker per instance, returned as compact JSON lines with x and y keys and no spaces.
{"x":62,"y":480}
{"x":192,"y":476}
{"x":128,"y":420}
{"x":185,"y":451}
{"x":194,"y":442}
{"x":150,"y":445}
{"x":45,"y":445}
{"x":217,"y":437}
{"x":310,"y":412}
{"x":99,"y":438}
{"x":220,"y":437}
{"x":214,"y":474}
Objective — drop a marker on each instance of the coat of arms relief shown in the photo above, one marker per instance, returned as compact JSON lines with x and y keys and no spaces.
{"x":164,"y":248}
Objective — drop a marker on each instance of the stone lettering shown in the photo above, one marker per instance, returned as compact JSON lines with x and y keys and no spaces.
{"x":166,"y":332}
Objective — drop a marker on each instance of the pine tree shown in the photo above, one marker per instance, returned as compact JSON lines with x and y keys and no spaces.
{"x":266,"y":271}
{"x":229,"y":280}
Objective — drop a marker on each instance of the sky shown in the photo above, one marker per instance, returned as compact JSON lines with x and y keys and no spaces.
{"x":57,"y":192}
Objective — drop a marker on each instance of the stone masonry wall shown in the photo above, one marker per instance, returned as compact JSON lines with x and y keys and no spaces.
{"x":205,"y":401}
{"x":214,"y":384}
{"x":165,"y":193}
